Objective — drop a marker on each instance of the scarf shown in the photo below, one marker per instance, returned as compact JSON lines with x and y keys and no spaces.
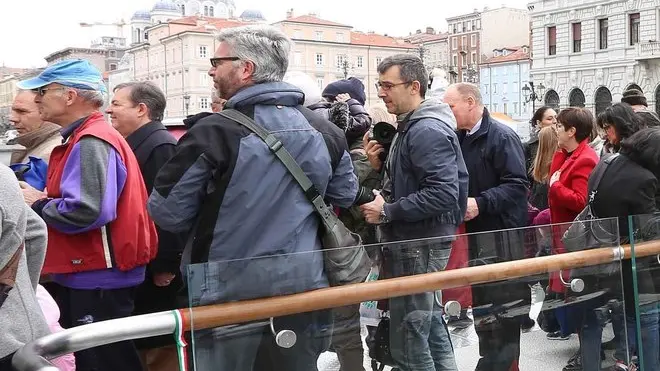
{"x":33,"y":139}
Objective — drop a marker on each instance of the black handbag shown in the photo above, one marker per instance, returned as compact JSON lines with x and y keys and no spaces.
{"x":588,"y":232}
{"x":345,"y":259}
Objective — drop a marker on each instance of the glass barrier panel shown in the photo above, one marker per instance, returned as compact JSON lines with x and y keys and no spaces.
{"x":500,"y":300}
{"x":641,"y":277}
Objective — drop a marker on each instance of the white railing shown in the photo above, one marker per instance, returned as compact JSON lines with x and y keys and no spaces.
{"x":648,"y":49}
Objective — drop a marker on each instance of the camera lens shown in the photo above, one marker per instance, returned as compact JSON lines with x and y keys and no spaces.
{"x":364,"y":196}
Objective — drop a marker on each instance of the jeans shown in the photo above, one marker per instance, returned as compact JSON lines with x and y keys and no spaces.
{"x":252,"y":347}
{"x":649,"y":318}
{"x":419,"y":339}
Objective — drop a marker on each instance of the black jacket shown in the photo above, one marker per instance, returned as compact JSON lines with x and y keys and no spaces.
{"x":627,"y":189}
{"x":153,"y":146}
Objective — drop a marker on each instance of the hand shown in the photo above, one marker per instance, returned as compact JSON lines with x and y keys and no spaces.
{"x":373,"y":149}
{"x":343,"y":97}
{"x":472,"y":209}
{"x":373,"y":209}
{"x":30,"y":194}
{"x":163,"y":279}
{"x":555,"y":177}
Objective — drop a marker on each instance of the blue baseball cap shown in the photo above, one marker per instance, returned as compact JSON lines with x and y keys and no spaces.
{"x":74,"y":73}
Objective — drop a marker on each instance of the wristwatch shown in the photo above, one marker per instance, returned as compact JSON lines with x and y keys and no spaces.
{"x":383,"y":216}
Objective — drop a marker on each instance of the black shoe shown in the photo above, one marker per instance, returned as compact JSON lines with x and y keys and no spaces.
{"x":527,"y":324}
{"x":574,"y":363}
{"x":557,"y":336}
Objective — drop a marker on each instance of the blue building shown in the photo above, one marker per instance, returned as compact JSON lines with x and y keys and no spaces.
{"x":501,"y":80}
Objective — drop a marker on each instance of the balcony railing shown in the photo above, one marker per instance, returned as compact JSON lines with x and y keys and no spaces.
{"x":648,"y":50}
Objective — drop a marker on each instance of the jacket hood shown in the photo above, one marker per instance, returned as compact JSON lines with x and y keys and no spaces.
{"x":269,"y":93}
{"x":434,"y":109}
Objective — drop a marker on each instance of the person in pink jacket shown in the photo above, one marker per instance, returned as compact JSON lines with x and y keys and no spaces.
{"x":52,"y":314}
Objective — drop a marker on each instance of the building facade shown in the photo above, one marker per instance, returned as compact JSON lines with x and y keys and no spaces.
{"x":175,"y":56}
{"x":586,"y":53}
{"x":104,"y":53}
{"x":473,"y":37}
{"x":432,"y":47}
{"x":502,"y":78}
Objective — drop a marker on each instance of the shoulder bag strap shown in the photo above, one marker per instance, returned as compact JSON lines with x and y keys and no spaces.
{"x":288,"y":161}
{"x":598,"y":176}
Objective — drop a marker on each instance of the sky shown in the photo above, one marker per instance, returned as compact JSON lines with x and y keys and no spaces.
{"x":31,"y":30}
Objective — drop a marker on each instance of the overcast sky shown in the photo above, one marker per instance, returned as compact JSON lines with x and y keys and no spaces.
{"x":30,"y":30}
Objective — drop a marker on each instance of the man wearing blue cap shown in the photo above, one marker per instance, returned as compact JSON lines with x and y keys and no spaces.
{"x":100,"y":237}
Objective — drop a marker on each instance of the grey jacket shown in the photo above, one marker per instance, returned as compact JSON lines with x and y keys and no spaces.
{"x":21,"y":319}
{"x":428,"y":176}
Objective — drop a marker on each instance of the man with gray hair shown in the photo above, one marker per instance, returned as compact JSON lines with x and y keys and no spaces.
{"x":100,"y":237}
{"x":136,"y":111}
{"x":422,"y":203}
{"x":253,"y":231}
{"x":497,"y":202}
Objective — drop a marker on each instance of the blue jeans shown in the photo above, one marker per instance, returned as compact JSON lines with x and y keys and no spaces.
{"x":649,"y":318}
{"x":419,"y":340}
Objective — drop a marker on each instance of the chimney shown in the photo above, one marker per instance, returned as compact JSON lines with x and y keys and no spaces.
{"x":289,"y":13}
{"x":430,"y":31}
{"x":418,"y":32}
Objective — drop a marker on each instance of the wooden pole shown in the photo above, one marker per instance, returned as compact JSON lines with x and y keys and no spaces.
{"x":258,"y":309}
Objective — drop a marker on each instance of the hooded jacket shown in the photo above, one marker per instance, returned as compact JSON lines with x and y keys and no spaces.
{"x":429,"y":180}
{"x":250,"y":219}
{"x":21,"y":319}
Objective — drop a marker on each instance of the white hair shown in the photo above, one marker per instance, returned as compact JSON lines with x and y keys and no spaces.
{"x":267,"y":47}
{"x":93,"y":96}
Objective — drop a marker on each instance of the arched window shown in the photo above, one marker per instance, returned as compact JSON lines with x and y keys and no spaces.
{"x":211,"y":12}
{"x":603,"y":99}
{"x":552,"y":99}
{"x":183,"y":9}
{"x":206,"y":10}
{"x":576,"y":98}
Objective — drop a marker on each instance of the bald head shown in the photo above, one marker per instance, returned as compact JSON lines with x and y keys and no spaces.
{"x":25,"y":116}
{"x":466,"y":103}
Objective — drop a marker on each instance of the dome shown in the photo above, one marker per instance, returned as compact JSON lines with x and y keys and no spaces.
{"x":141,"y":15}
{"x":252,"y":15}
{"x":166,"y":6}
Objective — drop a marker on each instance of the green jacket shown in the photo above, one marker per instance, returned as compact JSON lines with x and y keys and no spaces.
{"x":368,"y":178}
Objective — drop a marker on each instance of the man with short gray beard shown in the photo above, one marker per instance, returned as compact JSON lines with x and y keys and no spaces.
{"x":253,"y":232}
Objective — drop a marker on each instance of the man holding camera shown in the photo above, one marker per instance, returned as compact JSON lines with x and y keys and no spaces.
{"x":424,"y":195}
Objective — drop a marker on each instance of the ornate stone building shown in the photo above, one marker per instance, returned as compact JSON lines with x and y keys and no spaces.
{"x":586,"y":53}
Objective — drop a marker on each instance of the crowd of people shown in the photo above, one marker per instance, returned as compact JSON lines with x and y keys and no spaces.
{"x":124,"y":212}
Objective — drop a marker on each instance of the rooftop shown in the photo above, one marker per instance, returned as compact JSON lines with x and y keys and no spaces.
{"x":312,"y":19}
{"x":373,"y":39}
{"x":516,"y":54}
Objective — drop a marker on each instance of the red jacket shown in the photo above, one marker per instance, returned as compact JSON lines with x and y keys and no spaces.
{"x":129,"y":241}
{"x":568,"y":196}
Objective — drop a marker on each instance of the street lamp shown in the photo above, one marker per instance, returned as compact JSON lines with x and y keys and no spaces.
{"x":530,"y":93}
{"x":186,"y":100}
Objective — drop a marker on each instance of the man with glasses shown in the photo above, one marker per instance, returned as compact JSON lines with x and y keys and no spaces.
{"x":253,"y":232}
{"x":424,"y":196}
{"x":100,"y":237}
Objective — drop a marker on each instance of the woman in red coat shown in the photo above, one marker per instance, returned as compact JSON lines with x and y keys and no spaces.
{"x":567,"y":195}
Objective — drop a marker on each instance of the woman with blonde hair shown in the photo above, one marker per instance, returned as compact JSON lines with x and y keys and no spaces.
{"x":540,"y":169}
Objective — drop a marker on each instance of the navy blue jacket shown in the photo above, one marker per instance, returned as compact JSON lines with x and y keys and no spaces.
{"x":429,"y":178}
{"x":498,"y":179}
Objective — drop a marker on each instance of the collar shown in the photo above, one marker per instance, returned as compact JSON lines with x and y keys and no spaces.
{"x":141,"y":134}
{"x":67,"y":131}
{"x":403,"y":120}
{"x":476,"y":127}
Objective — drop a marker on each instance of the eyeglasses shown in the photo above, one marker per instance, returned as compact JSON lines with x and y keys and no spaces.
{"x":386,"y":86}
{"x":42,"y":90}
{"x":217,"y":60}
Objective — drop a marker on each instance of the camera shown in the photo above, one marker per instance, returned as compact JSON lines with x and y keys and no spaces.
{"x":364,"y":196}
{"x":383,"y":133}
